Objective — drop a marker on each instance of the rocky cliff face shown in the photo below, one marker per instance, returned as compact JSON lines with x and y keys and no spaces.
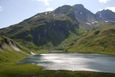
{"x":86,"y":18}
{"x":78,"y":12}
{"x":83,"y":14}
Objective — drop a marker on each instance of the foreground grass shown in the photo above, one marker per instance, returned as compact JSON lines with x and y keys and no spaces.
{"x":18,"y":70}
{"x":28,"y":70}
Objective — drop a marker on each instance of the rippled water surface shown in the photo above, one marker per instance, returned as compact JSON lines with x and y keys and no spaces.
{"x":74,"y":62}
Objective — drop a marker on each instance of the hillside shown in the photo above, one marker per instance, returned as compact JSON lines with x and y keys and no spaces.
{"x":10,"y":51}
{"x":43,"y":29}
{"x":101,"y":40}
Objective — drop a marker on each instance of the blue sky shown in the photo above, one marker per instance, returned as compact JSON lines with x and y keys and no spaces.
{"x":15,"y":11}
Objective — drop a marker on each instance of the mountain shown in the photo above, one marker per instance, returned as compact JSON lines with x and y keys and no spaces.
{"x":78,"y":12}
{"x":106,"y":15}
{"x":57,"y":28}
{"x":86,"y":18}
{"x":43,"y":29}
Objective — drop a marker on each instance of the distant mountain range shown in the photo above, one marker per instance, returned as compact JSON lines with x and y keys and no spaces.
{"x":57,"y":28}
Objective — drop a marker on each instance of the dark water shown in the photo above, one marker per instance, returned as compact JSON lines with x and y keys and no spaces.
{"x":74,"y":62}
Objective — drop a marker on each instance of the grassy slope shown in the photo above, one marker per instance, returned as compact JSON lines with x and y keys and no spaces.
{"x":9,"y":59}
{"x":101,"y":40}
{"x":7,"y":53}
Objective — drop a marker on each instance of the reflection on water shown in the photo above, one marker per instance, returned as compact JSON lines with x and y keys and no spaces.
{"x":74,"y":62}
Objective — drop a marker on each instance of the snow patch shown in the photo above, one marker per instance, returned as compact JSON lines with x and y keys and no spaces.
{"x":93,"y":22}
{"x":106,"y":21}
{"x":88,"y":23}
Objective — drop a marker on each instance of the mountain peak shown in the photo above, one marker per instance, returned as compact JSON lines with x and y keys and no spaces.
{"x":63,"y":9}
{"x":106,"y":15}
{"x":78,"y":6}
{"x":65,"y":6}
{"x":105,"y":10}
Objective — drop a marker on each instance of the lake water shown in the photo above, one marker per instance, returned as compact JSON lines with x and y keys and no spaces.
{"x":74,"y":62}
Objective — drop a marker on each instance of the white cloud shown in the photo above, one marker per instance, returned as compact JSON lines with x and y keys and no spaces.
{"x":46,"y":2}
{"x":104,"y":1}
{"x":111,"y":8}
{"x":49,"y":9}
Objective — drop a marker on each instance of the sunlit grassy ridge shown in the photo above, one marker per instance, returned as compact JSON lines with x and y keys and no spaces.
{"x":8,"y":52}
{"x":101,"y":40}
